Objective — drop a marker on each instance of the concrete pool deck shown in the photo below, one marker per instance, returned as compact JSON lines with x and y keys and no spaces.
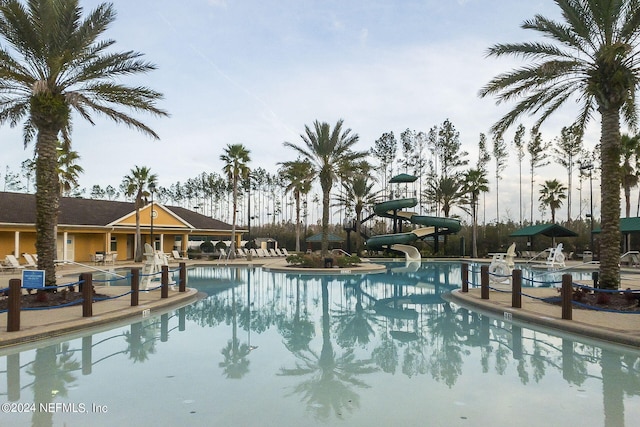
{"x":41,"y":324}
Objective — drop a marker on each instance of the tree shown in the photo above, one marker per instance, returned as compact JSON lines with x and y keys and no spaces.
{"x":552,"y":193}
{"x":475,"y":182}
{"x":483,"y":161}
{"x":68,"y":169}
{"x":592,"y":58}
{"x":385,"y":150}
{"x":235,"y":157}
{"x":566,"y":151}
{"x":137,"y":185}
{"x":327,"y":149}
{"x":518,"y":142}
{"x":500,"y":154}
{"x":298,"y":175}
{"x":538,"y":157}
{"x":630,"y":149}
{"x":53,"y":62}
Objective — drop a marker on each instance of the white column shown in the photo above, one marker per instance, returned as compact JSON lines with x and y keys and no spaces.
{"x":65,"y":237}
{"x":16,"y":244}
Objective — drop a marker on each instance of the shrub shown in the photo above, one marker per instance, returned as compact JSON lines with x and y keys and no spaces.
{"x":348,"y":261}
{"x":603,"y":298}
{"x":206,"y":247}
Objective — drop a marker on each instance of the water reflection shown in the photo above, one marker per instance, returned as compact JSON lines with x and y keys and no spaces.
{"x":338,"y":342}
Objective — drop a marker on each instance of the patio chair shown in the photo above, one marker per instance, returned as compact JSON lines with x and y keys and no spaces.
{"x":30,"y":261}
{"x":13,"y":263}
{"x":176,"y":255}
{"x":272,"y":252}
{"x":284,"y":252}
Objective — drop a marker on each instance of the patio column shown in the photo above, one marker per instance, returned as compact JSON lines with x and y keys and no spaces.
{"x":185,"y":244}
{"x":65,"y":237}
{"x":161,"y":242}
{"x":107,"y":242}
{"x":16,"y":244}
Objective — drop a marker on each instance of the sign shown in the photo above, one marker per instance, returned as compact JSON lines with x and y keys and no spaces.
{"x":33,"y":279}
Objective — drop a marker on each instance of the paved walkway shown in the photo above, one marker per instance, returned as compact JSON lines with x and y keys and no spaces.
{"x":615,"y":327}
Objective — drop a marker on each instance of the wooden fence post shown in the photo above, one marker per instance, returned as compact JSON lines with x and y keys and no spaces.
{"x":465,"y":276}
{"x":164,"y":289}
{"x":516,"y":289}
{"x":182,"y":287}
{"x":567,"y":296}
{"x":13,"y":313}
{"x":87,"y":294}
{"x":135,"y":287}
{"x":484,"y":282}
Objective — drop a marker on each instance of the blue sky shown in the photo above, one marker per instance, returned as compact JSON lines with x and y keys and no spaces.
{"x":255,"y":72}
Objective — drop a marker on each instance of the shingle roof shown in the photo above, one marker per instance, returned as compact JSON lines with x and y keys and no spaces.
{"x":20,"y":208}
{"x":550,"y":230}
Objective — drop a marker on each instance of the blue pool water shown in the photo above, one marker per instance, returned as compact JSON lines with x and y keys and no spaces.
{"x":274,"y":349}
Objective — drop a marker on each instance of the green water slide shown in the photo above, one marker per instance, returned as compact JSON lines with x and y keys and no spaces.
{"x":431,"y":224}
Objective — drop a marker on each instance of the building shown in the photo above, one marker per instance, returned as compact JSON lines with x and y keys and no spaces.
{"x":87,"y":227}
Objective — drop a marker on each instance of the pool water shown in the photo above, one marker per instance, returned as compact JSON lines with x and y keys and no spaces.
{"x":275,"y":349}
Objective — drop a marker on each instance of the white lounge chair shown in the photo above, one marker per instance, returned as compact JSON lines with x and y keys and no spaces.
{"x":30,"y":261}
{"x":241,"y":253}
{"x":254,"y":252}
{"x":176,"y":256}
{"x":631,"y":258}
{"x":285,"y":252}
{"x":13,"y":263}
{"x":272,"y":252}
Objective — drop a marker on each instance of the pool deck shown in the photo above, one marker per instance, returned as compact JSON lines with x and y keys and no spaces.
{"x":42,"y":324}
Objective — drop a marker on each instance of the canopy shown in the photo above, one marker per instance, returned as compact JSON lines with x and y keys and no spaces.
{"x":627,"y":225}
{"x":403,"y":177}
{"x":317,"y":238}
{"x":550,"y":230}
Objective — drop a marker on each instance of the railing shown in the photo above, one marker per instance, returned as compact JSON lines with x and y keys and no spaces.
{"x":568,"y":290}
{"x":85,"y":285}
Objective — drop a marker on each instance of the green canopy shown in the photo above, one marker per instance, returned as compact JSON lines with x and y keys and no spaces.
{"x":627,"y":225}
{"x":550,"y":230}
{"x":317,"y":238}
{"x":403,"y":177}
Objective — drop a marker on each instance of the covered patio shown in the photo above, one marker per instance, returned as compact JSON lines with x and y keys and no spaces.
{"x":549,"y":230}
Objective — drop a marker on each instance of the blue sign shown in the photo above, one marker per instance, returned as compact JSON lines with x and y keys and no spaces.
{"x":33,"y":279}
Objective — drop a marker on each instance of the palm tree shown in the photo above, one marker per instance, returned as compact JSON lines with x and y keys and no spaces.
{"x":53,"y":62}
{"x":68,"y":169}
{"x":236,"y":157}
{"x":138,"y":184}
{"x":358,"y":190}
{"x":327,"y":150}
{"x":552,"y":193}
{"x":630,"y":147}
{"x":592,"y":58}
{"x":475,"y":182}
{"x":298,"y":175}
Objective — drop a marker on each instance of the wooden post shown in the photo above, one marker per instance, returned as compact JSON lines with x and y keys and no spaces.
{"x":13,"y":312}
{"x":164,"y":290}
{"x":567,"y":296}
{"x":135,"y":287}
{"x":182,"y":287}
{"x":484,"y":282}
{"x":87,"y":294}
{"x":516,"y":289}
{"x":465,"y":276}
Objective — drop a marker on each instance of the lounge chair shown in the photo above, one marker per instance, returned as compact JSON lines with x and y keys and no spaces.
{"x":241,"y":253}
{"x":13,"y":263}
{"x":502,"y":264}
{"x":176,"y":255}
{"x":272,"y":252}
{"x":30,"y":261}
{"x":631,"y":258}
{"x":254,"y":252}
{"x":285,"y":252}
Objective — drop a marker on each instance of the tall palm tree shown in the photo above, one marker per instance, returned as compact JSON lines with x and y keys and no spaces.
{"x":138,"y":184}
{"x":552,"y":193}
{"x":475,"y":182}
{"x":592,"y":57}
{"x":298,"y":176}
{"x":327,"y":150}
{"x":236,"y":157}
{"x":52,"y":62}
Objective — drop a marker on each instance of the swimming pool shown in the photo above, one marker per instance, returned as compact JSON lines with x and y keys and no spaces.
{"x":268,"y":348}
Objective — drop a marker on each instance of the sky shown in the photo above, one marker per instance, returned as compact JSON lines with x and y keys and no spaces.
{"x":255,"y":72}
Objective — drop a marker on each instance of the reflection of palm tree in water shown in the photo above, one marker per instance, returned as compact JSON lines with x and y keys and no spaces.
{"x":141,"y":340}
{"x":52,"y":374}
{"x":298,"y":331}
{"x":331,"y":378}
{"x":235,"y":363}
{"x":354,"y":326}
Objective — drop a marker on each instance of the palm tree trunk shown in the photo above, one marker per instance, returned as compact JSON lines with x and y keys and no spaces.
{"x":47,"y":202}
{"x":138,"y":242}
{"x":297,"y":196}
{"x":326,"y":190}
{"x":610,"y":199}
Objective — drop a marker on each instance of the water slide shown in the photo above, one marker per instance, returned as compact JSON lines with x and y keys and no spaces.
{"x":401,"y":241}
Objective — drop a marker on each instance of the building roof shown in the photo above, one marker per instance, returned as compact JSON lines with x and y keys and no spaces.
{"x":627,"y":225}
{"x":20,"y":208}
{"x":549,"y":230}
{"x":318,"y":238}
